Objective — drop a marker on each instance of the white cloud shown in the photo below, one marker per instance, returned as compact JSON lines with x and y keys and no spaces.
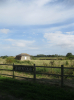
{"x":4,"y":31}
{"x":42,"y":2}
{"x":70,"y":32}
{"x":45,"y":13}
{"x":14,"y":47}
{"x":60,"y":39}
{"x":20,"y":43}
{"x":33,"y":13}
{"x":33,"y":48}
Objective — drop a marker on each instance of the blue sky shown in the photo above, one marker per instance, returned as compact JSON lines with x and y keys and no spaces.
{"x":36,"y":27}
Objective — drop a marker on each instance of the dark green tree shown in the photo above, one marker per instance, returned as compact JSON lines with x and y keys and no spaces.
{"x":68,"y":54}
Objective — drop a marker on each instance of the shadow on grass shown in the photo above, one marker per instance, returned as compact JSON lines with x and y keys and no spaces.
{"x":29,"y":90}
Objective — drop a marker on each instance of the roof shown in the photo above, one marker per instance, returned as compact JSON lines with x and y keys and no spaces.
{"x":23,"y":54}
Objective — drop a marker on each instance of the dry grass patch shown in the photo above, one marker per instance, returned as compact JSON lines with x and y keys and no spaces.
{"x":2,"y":61}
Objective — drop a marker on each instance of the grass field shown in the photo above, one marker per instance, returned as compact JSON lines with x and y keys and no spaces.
{"x":44,"y":88}
{"x":11,"y":89}
{"x":38,"y":62}
{"x":51,"y":79}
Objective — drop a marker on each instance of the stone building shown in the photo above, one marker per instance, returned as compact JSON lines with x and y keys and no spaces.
{"x":23,"y":56}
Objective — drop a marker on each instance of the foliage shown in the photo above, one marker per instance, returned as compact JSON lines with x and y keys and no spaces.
{"x":68,"y":54}
{"x":52,"y":63}
{"x":71,"y":57}
{"x":33,"y":58}
{"x":13,"y":60}
{"x":4,"y":57}
{"x":10,"y":60}
{"x":42,"y":55}
{"x":67,"y":63}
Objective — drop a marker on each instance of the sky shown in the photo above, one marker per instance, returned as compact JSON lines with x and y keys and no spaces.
{"x":36,"y":27}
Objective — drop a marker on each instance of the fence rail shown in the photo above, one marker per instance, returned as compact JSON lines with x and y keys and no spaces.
{"x":27,"y":68}
{"x":6,"y":64}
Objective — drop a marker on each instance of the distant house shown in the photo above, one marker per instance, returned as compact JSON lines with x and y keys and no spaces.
{"x":23,"y":56}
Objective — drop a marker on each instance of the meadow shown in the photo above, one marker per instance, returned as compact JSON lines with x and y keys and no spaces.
{"x":48,"y":78}
{"x":44,"y":88}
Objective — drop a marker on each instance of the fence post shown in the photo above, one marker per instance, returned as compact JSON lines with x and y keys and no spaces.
{"x":34,"y":72}
{"x":62,"y":73}
{"x":13,"y":70}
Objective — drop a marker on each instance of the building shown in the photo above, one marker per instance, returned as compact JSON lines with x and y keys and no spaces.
{"x":23,"y":56}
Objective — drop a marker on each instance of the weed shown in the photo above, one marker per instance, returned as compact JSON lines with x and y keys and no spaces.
{"x":52,"y":63}
{"x":68,"y":71}
{"x":67,"y":63}
{"x":44,"y":69}
{"x":44,"y":64}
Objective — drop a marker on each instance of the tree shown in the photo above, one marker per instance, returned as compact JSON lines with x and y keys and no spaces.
{"x":68,"y":54}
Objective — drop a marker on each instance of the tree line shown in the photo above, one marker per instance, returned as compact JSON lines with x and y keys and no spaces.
{"x":68,"y":55}
{"x":42,"y":55}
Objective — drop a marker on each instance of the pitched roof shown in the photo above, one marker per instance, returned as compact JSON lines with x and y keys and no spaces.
{"x":23,"y":54}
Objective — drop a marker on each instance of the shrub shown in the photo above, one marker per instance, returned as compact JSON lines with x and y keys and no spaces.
{"x":10,"y":60}
{"x":52,"y":63}
{"x":4,"y":57}
{"x":67,"y":63}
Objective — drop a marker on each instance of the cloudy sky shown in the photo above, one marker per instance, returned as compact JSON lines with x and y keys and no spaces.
{"x":36,"y":27}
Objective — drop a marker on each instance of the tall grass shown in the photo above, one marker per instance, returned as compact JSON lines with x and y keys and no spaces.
{"x":52,"y":63}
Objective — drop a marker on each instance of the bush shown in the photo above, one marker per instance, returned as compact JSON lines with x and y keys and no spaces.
{"x":71,"y":57}
{"x":10,"y":60}
{"x":4,"y":57}
{"x":67,"y":63}
{"x":52,"y":63}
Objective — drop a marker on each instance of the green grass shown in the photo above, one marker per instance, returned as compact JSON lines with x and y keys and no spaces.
{"x":55,"y":63}
{"x":27,"y":90}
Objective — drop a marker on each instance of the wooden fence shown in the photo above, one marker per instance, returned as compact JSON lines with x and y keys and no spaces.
{"x":32,"y":69}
